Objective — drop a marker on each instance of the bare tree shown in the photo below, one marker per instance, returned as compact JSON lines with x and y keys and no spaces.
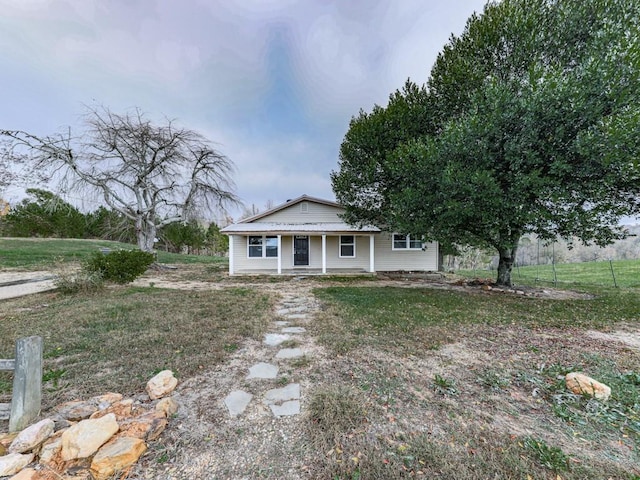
{"x":10,"y":166}
{"x":152,"y":174}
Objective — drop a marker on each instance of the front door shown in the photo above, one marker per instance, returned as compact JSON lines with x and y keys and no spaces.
{"x":300,"y":250}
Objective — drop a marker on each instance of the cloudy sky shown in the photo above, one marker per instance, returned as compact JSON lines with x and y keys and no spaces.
{"x":273,"y":83}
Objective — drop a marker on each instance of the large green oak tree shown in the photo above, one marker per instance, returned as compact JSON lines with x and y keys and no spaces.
{"x":528,"y":123}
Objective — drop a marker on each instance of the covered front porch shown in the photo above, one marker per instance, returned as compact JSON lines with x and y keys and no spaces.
{"x":302,"y":250}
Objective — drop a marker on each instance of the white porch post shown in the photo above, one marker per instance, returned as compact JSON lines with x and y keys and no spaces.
{"x":324,"y":253}
{"x":231,"y":238}
{"x":372,"y":244}
{"x":279,"y":254}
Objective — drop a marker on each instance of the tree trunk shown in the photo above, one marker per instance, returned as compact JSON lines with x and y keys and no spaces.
{"x":507,"y":258}
{"x":145,"y":234}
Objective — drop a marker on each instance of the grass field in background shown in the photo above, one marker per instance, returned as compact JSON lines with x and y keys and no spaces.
{"x":37,"y":253}
{"x":626,"y":273}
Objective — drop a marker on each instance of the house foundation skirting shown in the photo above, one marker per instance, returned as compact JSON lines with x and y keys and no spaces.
{"x":294,"y":272}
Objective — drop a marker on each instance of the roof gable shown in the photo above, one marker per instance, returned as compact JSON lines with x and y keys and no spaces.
{"x":289,"y":204}
{"x":319,"y":217}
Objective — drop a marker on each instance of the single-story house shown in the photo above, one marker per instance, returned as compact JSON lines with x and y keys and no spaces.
{"x":307,"y":235}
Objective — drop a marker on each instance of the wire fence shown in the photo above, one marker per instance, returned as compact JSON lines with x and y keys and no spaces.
{"x":611,"y":273}
{"x":560,"y":262}
{"x":606,"y":273}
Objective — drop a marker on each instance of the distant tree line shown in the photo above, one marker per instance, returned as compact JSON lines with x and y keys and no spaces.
{"x":44,"y":214}
{"x":535,"y":251}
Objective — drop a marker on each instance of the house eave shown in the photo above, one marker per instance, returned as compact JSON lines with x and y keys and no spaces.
{"x":297,"y":229}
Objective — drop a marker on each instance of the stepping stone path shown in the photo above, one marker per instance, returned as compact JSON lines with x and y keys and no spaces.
{"x":285,"y":401}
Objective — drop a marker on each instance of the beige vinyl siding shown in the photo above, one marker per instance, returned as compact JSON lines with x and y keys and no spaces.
{"x":361,"y":259}
{"x":387,"y":259}
{"x":333,"y":260}
{"x":287,"y":251}
{"x":241,"y":258}
{"x":242,"y":262}
{"x":315,"y":252}
{"x":316,"y":213}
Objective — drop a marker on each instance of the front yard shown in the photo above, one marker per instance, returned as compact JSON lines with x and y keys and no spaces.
{"x":414,"y":382}
{"x":470,"y":385}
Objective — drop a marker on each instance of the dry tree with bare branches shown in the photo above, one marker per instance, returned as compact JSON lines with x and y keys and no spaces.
{"x":152,"y":174}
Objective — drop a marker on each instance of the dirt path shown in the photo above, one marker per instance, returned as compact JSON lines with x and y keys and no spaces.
{"x":207,"y":440}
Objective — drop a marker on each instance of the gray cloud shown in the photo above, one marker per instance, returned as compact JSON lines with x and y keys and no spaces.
{"x":274,"y":82}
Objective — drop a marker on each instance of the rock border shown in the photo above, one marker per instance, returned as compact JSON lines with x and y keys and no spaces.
{"x":91,"y":439}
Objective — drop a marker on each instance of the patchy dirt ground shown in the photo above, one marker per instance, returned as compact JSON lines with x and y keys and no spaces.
{"x":194,"y":277}
{"x":204,"y":442}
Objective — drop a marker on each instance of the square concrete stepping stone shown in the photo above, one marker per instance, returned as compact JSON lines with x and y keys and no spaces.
{"x":275,"y":339}
{"x":293,"y":304}
{"x":263,"y":370}
{"x":237,"y":402}
{"x":294,"y":330}
{"x":297,"y":316}
{"x":281,"y":323}
{"x":288,"y":310}
{"x":290,"y":353}
{"x":292,"y":407}
{"x":278,"y":395}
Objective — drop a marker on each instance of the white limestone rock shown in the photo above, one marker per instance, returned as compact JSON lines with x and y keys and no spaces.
{"x":85,"y":438}
{"x":32,"y":436}
{"x":161,"y":385}
{"x":14,"y":462}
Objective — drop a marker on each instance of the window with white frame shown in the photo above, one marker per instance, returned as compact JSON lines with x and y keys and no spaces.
{"x":406,"y":242}
{"x":262,"y":246}
{"x":347,"y":246}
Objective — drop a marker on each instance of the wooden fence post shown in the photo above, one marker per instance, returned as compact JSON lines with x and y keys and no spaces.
{"x":26,"y":397}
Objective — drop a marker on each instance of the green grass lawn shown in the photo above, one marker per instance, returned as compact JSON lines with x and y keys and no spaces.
{"x":118,"y":339}
{"x":437,"y":372}
{"x":427,"y":318}
{"x":626,"y":273}
{"x":42,"y":253}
